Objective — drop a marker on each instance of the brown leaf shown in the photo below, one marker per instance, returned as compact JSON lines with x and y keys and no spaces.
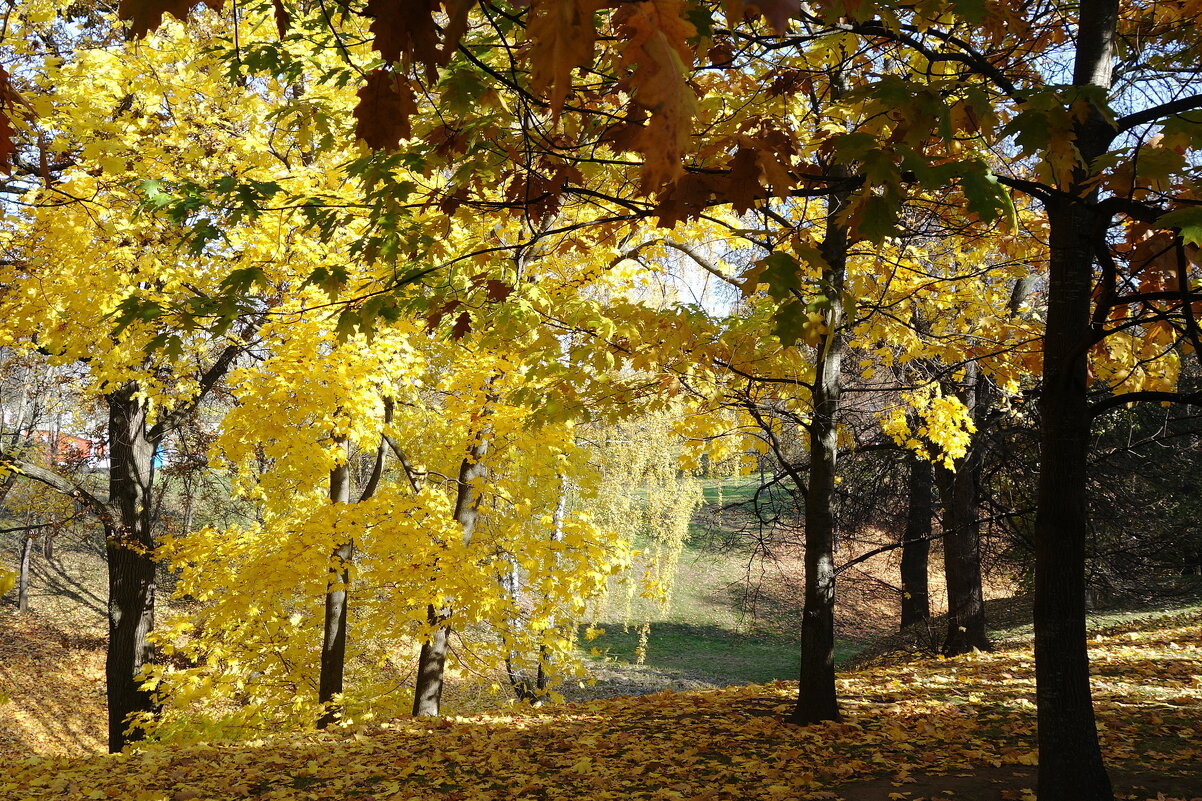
{"x":146,"y":15}
{"x":452,"y":32}
{"x":656,"y":47}
{"x":405,"y":31}
{"x":10,"y":101}
{"x":385,"y":104}
{"x":744,"y":188}
{"x":561,"y":34}
{"x":282,"y":18}
{"x":498,"y":290}
{"x":684,"y":200}
{"x":778,"y":12}
{"x":462,"y":327}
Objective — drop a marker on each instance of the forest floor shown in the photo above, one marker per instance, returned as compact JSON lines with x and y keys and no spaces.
{"x":917,"y":727}
{"x":914,"y":728}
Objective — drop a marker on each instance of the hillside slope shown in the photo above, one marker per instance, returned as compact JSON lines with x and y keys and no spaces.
{"x":928,"y":728}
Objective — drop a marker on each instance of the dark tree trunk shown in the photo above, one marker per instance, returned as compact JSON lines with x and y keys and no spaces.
{"x":1070,"y":758}
{"x":916,"y":544}
{"x":23,"y":577}
{"x":817,"y":699}
{"x":333,"y":643}
{"x":962,"y":560}
{"x":959,"y":493}
{"x":431,"y":662}
{"x":129,"y":544}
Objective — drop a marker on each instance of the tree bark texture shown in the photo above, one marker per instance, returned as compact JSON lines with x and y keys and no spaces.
{"x":431,"y":662}
{"x":23,"y":576}
{"x":129,"y":544}
{"x":333,"y":641}
{"x":1070,"y":758}
{"x":959,"y":493}
{"x":817,"y":699}
{"x":916,"y":544}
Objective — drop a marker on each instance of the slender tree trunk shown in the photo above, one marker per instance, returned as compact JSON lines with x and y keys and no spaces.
{"x":528,"y":684}
{"x":958,"y":489}
{"x":1070,"y":758}
{"x":561,"y":511}
{"x":431,"y":662}
{"x":333,"y":643}
{"x":521,"y":679}
{"x":23,"y":577}
{"x":130,"y":549}
{"x":916,"y":544}
{"x":817,"y":699}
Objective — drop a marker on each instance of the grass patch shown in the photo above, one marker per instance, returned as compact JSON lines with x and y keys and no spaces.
{"x":716,"y":654}
{"x":730,"y":620}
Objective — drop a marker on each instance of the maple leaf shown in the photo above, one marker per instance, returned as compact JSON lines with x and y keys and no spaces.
{"x":146,"y":15}
{"x":782,"y":273}
{"x":684,"y":200}
{"x":1188,"y":221}
{"x":462,"y":327}
{"x":405,"y":31}
{"x":385,"y":105}
{"x":562,"y":35}
{"x":778,"y":12}
{"x":657,"y":35}
{"x":744,"y":188}
{"x":498,"y":290}
{"x":282,"y":18}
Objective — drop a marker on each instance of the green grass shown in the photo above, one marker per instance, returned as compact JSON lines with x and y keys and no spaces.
{"x":721,"y":625}
{"x":712,"y":653}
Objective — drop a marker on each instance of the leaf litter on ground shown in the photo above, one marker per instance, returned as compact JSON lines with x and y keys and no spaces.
{"x":926,"y":728}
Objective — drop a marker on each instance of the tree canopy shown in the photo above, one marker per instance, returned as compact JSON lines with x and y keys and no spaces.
{"x":425,"y":260}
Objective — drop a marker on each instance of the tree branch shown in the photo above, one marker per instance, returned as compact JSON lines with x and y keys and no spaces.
{"x":1145,"y":396}
{"x":1191,"y":103}
{"x":59,"y":484}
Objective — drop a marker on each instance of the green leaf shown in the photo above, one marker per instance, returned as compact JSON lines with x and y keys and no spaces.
{"x":790,"y":322}
{"x":134,"y":309}
{"x":1187,"y":221}
{"x":348,"y":324}
{"x":876,"y":218}
{"x":699,"y":15}
{"x":986,"y":198}
{"x":782,"y":273}
{"x":171,"y":345}
{"x":239,"y":282}
{"x":972,"y":11}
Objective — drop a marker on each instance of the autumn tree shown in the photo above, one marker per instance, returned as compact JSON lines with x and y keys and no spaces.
{"x":978,"y":97}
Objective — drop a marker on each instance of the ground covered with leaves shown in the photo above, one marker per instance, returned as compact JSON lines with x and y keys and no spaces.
{"x":928,"y":728}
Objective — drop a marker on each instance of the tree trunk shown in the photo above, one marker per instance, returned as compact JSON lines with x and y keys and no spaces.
{"x":958,"y":489}
{"x":130,"y":548}
{"x":962,"y":560}
{"x":23,"y":577}
{"x":817,"y":699}
{"x":522,"y":680}
{"x":333,"y":642}
{"x":1070,"y":758}
{"x":431,"y":662}
{"x":916,"y":545}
